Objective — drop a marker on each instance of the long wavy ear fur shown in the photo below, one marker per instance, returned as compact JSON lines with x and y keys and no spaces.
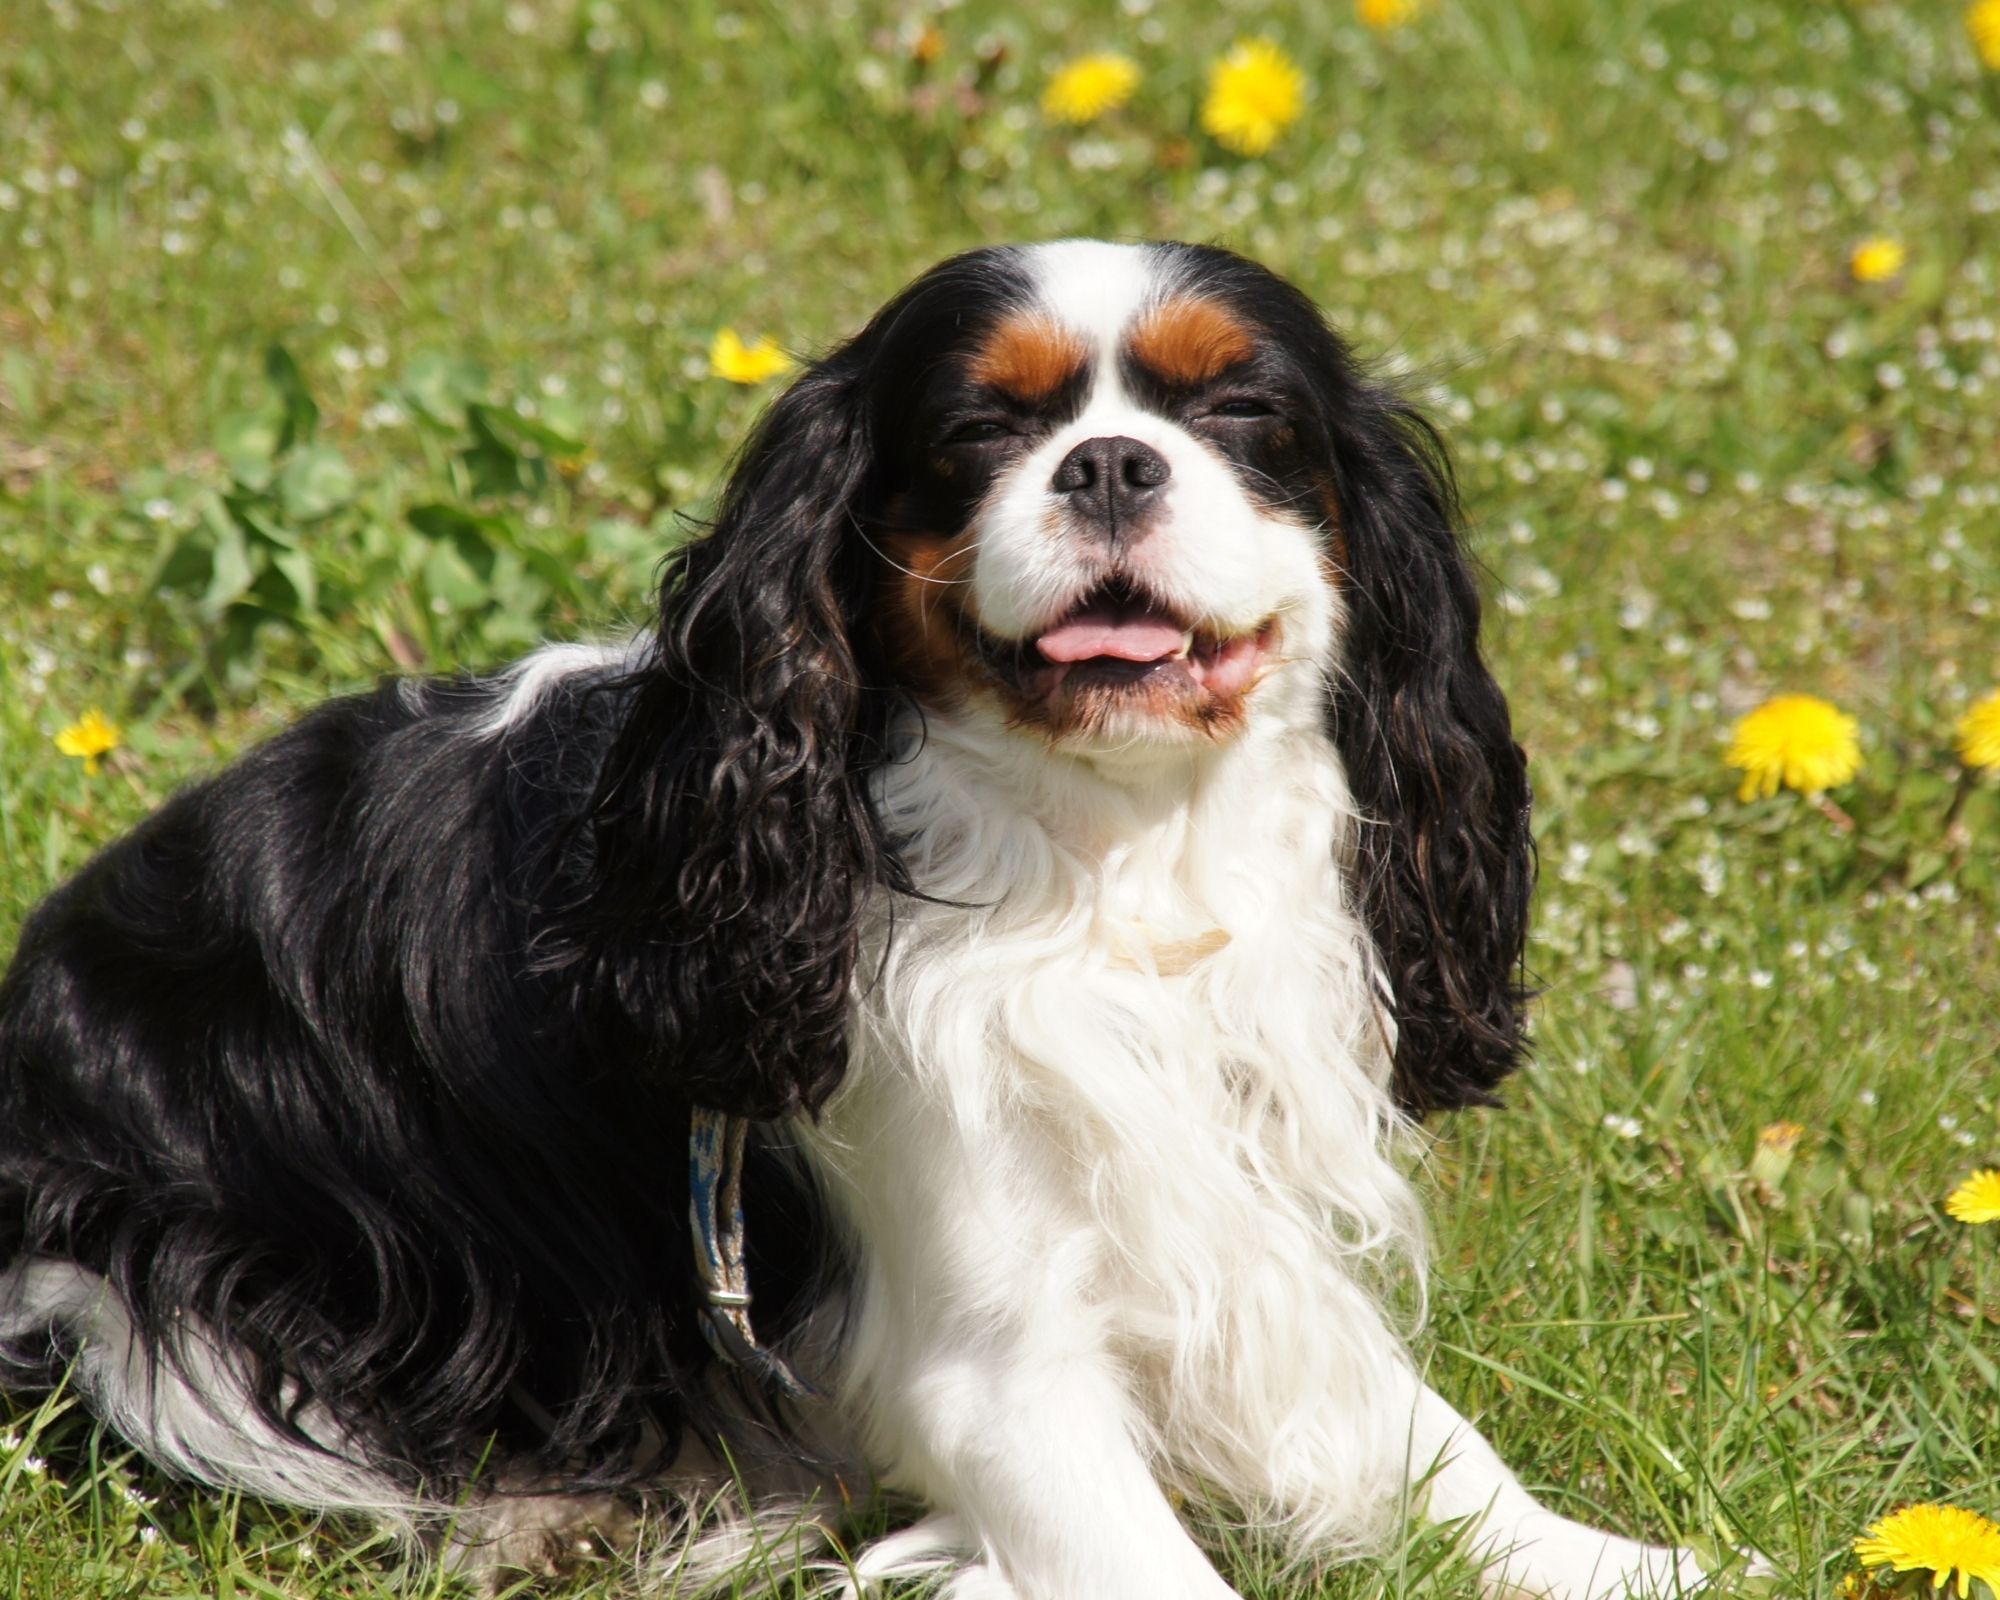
{"x":730,"y":841}
{"x":1445,"y":858}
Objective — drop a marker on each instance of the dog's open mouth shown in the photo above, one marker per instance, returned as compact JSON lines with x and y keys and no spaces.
{"x":1118,"y":639}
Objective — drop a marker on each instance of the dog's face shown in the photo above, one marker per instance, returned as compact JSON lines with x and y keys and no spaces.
{"x":1121,"y":500}
{"x":1099,"y":511}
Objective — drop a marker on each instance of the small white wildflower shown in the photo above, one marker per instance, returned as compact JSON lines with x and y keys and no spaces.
{"x":1712,"y":874}
{"x":1636,"y":610}
{"x":1624,"y":1127}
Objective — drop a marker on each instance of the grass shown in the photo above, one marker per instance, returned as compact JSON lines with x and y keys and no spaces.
{"x":1608,"y":243}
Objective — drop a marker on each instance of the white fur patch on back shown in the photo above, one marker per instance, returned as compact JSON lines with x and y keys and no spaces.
{"x":523,"y":685}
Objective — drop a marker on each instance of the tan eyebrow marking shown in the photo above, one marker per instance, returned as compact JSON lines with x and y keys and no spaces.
{"x":1190,"y":340}
{"x":1029,"y":356}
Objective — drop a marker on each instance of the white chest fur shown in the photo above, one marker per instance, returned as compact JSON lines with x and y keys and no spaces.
{"x":1120,"y":1098}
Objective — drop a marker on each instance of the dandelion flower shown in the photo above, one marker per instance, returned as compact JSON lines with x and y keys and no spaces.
{"x":1877,"y":259}
{"x":1772,"y":1159}
{"x":90,"y":738}
{"x":1385,"y":15}
{"x":729,"y":357}
{"x":1979,"y":728}
{"x":1937,"y":1540}
{"x":1982,"y":22}
{"x":1797,"y":740}
{"x":1255,"y":92}
{"x":1976,"y":1200}
{"x":1086,"y":88}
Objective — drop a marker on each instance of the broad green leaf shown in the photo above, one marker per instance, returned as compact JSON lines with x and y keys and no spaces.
{"x":314,"y":481}
{"x":248,"y":441}
{"x":301,"y":416}
{"x":298,"y":571}
{"x":233,"y":572}
{"x":440,"y":386}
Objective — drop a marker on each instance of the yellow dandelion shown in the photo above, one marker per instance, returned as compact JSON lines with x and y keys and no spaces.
{"x":1938,"y":1540}
{"x":1798,"y":740}
{"x":1086,"y":88}
{"x":1976,"y":1200}
{"x":1255,"y":92}
{"x":1979,"y":728}
{"x":1772,"y":1159}
{"x":1386,"y":15}
{"x":1982,"y":23}
{"x":1877,"y":259}
{"x":729,"y":357}
{"x":90,"y":738}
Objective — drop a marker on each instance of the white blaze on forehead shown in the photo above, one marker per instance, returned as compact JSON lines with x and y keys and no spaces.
{"x":1097,"y":290}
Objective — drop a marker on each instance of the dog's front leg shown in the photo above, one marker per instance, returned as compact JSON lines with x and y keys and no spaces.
{"x":979,"y":1376}
{"x":1524,"y":1549}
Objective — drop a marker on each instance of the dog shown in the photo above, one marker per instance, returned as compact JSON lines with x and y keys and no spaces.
{"x":1058,"y":838}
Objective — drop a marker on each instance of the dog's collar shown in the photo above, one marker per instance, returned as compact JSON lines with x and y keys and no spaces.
{"x":716,"y":1144}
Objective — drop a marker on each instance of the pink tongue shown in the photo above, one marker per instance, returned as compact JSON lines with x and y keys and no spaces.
{"x":1101,"y":631}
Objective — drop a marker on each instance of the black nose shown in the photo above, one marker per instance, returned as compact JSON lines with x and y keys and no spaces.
{"x":1112,"y":481}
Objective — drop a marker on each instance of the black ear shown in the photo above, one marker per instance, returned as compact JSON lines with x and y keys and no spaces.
{"x":1444,"y":855}
{"x":730,"y":844}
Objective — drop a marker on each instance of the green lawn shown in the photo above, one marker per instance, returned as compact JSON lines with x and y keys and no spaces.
{"x":1609,"y":242}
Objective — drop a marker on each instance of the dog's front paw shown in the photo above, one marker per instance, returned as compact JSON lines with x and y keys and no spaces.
{"x":1547,"y":1557}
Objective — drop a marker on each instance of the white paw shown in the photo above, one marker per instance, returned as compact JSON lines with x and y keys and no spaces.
{"x":1547,"y":1557}
{"x":929,"y":1546}
{"x":978,"y":1582}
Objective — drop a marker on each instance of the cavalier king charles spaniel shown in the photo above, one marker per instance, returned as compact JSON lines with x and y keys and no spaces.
{"x":1057,"y":837}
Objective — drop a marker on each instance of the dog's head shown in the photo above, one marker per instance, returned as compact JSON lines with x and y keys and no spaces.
{"x":1104,"y":502}
{"x":1115,"y":500}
